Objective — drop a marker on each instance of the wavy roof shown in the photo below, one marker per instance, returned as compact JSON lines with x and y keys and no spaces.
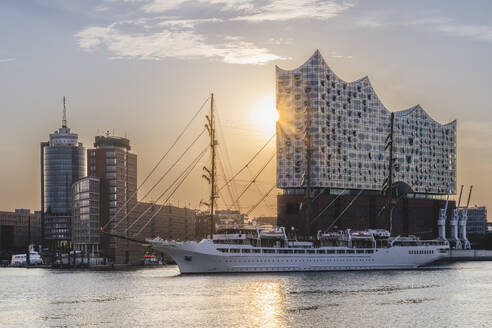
{"x":400,"y":113}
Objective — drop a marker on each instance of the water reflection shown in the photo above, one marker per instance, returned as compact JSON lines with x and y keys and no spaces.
{"x":266,"y":304}
{"x":159,"y":298}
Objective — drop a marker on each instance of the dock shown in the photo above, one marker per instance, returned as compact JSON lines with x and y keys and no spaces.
{"x":468,"y":255}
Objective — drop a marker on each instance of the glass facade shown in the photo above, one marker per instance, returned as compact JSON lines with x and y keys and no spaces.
{"x":63,"y":163}
{"x":86,"y":215}
{"x":62,"y":167}
{"x":348,"y":129}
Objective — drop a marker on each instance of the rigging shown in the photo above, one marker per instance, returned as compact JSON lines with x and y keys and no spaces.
{"x":158,"y":163}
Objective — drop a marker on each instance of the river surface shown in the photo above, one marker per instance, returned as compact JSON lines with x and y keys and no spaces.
{"x":447,"y":295}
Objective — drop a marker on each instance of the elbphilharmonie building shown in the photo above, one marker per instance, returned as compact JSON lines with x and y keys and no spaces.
{"x":348,"y":125}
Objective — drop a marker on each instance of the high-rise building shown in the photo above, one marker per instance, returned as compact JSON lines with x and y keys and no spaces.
{"x":347,"y":126}
{"x":62,"y":163}
{"x":85,"y":217}
{"x":112,"y":162}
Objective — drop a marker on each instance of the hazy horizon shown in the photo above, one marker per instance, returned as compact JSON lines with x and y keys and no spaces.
{"x":142,"y":69}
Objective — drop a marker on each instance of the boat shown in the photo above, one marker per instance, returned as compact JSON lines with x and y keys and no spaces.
{"x":252,"y":249}
{"x":150,"y":259}
{"x":21,"y":259}
{"x":255,"y":250}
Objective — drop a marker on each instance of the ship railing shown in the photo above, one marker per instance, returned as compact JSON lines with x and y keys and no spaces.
{"x":236,"y":236}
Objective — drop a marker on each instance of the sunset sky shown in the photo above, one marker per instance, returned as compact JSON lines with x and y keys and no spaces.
{"x":142,"y":68}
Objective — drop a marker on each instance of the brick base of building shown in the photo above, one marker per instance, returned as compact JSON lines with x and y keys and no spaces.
{"x":411,"y":215}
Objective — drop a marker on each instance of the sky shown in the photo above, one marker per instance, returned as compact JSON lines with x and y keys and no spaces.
{"x":141,"y":69}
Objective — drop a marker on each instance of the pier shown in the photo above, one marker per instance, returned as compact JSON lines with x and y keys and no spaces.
{"x":468,"y":255}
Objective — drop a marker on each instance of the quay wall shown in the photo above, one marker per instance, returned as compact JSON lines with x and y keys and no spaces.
{"x":468,"y":255}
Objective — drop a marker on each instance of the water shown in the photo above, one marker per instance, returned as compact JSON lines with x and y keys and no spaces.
{"x":451,"y":295}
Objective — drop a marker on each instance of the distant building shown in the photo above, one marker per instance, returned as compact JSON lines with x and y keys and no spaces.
{"x":116,"y":167}
{"x":266,"y":221}
{"x":477,"y":220}
{"x":14,"y":230}
{"x":86,"y":220}
{"x":202,"y":225}
{"x":108,"y":198}
{"x":230,"y":217}
{"x":347,"y":125}
{"x":62,"y":163}
{"x":166,"y":222}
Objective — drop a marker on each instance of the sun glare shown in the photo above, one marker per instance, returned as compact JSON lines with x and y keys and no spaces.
{"x":265,"y":115}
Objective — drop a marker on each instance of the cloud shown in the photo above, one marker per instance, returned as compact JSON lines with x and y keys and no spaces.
{"x":160,"y":6}
{"x":370,"y":21}
{"x":187,"y":23}
{"x":171,"y":43}
{"x":259,"y":10}
{"x":476,"y":32}
{"x":149,"y":32}
{"x":441,"y":24}
{"x":282,"y":10}
{"x":472,"y":31}
{"x":6,"y":60}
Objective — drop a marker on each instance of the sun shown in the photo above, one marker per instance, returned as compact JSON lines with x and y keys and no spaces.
{"x":265,"y":115}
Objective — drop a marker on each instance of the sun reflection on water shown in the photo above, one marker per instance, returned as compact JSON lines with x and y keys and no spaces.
{"x":265,"y":300}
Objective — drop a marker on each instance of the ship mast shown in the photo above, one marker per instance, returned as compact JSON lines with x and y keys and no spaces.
{"x":388,"y":187}
{"x":212,"y":172}
{"x":307,"y":196}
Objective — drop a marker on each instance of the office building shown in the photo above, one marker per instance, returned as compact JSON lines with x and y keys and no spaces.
{"x":347,"y":126}
{"x":167,"y":222}
{"x":15,"y":229}
{"x":116,"y":167}
{"x":86,"y":220}
{"x":477,"y":220}
{"x":230,"y":218}
{"x":108,"y":198}
{"x":62,"y":163}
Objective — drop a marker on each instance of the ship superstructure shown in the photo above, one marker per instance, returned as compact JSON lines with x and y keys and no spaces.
{"x":251,"y":249}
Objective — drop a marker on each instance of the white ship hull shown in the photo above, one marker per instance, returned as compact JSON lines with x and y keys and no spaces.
{"x":204,"y":257}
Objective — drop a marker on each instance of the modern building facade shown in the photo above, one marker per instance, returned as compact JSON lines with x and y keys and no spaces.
{"x":62,"y":163}
{"x":347,"y":127}
{"x":18,"y":229}
{"x":116,"y":167}
{"x":108,"y":198}
{"x":477,"y":220}
{"x":86,"y":220}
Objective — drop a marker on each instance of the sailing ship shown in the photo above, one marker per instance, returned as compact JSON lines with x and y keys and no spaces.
{"x":252,"y":249}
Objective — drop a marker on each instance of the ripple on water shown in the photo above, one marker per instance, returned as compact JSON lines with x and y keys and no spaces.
{"x":91,"y":300}
{"x":157,"y":298}
{"x":382,"y":289}
{"x":407,"y":301}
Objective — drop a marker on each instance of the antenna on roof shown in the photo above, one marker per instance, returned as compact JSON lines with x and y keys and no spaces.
{"x":64,"y":121}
